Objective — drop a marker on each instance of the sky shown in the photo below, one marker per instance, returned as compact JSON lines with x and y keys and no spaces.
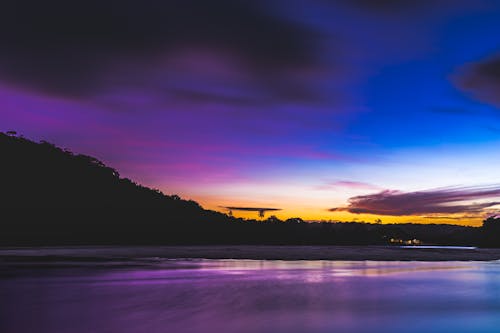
{"x":350,"y":110}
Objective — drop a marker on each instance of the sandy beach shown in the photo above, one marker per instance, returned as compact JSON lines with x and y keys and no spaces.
{"x":354,"y":253}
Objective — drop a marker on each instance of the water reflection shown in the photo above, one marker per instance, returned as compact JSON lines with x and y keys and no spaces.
{"x":255,"y":296}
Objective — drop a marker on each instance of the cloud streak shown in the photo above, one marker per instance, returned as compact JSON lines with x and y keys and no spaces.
{"x":342,"y":184}
{"x":437,"y":201}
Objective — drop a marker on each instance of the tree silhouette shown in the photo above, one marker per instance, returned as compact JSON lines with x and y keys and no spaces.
{"x":491,"y":231}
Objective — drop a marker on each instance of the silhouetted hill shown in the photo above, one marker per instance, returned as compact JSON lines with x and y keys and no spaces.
{"x":52,"y":196}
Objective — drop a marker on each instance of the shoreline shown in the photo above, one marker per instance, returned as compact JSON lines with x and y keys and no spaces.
{"x":254,"y":252}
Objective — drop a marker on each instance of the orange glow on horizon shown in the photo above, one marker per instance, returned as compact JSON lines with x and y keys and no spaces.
{"x":314,"y":213}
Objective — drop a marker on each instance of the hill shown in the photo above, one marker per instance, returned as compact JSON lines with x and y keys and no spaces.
{"x":51,"y":195}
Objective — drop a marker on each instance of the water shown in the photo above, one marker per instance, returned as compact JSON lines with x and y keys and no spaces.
{"x":175,"y":296}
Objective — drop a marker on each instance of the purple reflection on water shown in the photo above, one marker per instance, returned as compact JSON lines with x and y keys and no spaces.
{"x":254,"y":296}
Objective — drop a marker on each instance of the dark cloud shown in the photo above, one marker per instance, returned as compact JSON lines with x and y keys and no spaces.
{"x":439,"y":201}
{"x":63,"y":47}
{"x":481,"y":80}
{"x":252,"y":209}
{"x":391,"y":6}
{"x":409,"y":7}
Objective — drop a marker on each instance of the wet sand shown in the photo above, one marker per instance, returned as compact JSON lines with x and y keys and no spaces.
{"x":348,"y":253}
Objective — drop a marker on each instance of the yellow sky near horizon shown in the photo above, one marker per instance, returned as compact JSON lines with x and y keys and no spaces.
{"x":315,"y":214}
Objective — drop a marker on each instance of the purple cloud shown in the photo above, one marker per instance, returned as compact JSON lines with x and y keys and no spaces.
{"x":348,"y":184}
{"x":438,"y":201}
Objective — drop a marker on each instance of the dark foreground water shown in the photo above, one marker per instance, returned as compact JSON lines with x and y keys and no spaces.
{"x":176,"y":296}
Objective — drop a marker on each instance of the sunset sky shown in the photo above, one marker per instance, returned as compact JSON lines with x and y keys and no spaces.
{"x":343,"y":110}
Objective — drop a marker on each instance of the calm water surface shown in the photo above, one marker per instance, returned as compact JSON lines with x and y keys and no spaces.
{"x":177,"y":296}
